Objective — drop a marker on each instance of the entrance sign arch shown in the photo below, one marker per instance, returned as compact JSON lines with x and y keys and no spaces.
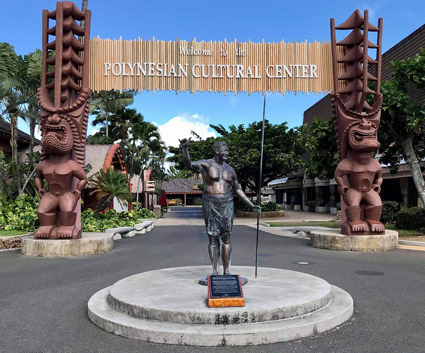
{"x":217,"y":67}
{"x":82,"y":65}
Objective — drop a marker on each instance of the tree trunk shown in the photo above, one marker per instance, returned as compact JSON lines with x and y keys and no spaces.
{"x":415,"y":167}
{"x":14,"y":145}
{"x":106,"y":125}
{"x":137,"y":189}
{"x":32,"y":130}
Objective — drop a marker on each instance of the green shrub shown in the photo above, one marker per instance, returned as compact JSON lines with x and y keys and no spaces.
{"x":411,"y":218}
{"x":96,"y":222}
{"x":270,"y":207}
{"x":198,"y":201}
{"x":19,"y":214}
{"x":389,"y":211}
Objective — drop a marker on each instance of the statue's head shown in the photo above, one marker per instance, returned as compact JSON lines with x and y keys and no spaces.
{"x":357,"y":131}
{"x":57,"y":136}
{"x":362,"y":136}
{"x":221,"y":149}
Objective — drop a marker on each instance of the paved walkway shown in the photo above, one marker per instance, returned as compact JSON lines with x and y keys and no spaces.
{"x":192,"y":215}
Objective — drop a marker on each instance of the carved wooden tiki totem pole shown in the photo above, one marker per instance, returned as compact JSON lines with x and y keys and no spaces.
{"x":64,"y":98}
{"x":358,"y":175}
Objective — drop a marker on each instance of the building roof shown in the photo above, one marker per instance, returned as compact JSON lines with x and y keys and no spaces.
{"x":96,"y":157}
{"x":182,"y":185}
{"x":23,"y":137}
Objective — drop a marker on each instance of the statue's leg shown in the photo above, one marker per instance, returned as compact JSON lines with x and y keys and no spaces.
{"x":214,"y":252}
{"x":67,"y":217}
{"x":373,"y":210}
{"x":226,"y":252}
{"x":353,"y":212}
{"x":47,"y":216}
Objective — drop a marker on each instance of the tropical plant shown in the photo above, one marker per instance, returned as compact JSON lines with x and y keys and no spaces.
{"x":108,"y":185}
{"x":12,"y":187}
{"x":319,"y":139}
{"x":174,"y":173}
{"x":105,"y":103}
{"x":402,"y":128}
{"x":97,"y":222}
{"x":19,"y":80}
{"x":20,"y":214}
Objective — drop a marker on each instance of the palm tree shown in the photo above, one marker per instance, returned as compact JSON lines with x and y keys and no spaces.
{"x":108,"y":185}
{"x":30,"y":73}
{"x":174,"y":173}
{"x":11,"y":99}
{"x":19,"y":80}
{"x":105,"y":103}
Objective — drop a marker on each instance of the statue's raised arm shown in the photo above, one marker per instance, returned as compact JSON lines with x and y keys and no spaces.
{"x":193,"y":166}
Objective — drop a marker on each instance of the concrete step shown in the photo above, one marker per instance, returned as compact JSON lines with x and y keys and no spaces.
{"x":337,"y":310}
{"x":174,"y":295}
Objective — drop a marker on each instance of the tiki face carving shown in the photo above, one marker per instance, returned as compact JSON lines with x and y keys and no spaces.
{"x":362,"y":137}
{"x":58,"y":136}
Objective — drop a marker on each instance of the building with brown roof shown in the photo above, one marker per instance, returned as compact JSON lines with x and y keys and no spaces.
{"x":5,"y":137}
{"x":185,"y":189}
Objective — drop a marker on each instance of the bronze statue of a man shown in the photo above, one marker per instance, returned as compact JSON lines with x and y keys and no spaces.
{"x":217,"y":201}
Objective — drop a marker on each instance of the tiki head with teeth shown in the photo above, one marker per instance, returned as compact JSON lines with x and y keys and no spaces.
{"x":57,"y":137}
{"x":356,"y":131}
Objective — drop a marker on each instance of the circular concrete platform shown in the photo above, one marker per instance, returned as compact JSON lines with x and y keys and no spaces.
{"x":88,"y":244}
{"x":169,"y":306}
{"x":332,"y":239}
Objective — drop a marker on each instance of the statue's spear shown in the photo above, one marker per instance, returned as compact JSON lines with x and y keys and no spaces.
{"x":259,"y":184}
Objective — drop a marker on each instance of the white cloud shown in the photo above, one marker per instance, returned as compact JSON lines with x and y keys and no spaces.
{"x":180,"y":127}
{"x":94,"y":131}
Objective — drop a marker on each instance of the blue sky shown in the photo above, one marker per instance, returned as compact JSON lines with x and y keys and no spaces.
{"x":271,"y":20}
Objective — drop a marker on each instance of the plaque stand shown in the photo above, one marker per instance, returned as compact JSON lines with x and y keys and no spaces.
{"x":225,"y":291}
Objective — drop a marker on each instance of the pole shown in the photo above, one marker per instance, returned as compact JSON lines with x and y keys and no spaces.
{"x":259,"y":184}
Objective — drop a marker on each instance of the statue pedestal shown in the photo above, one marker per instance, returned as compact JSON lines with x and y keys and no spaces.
{"x":169,"y":306}
{"x":332,"y":239}
{"x":88,"y":244}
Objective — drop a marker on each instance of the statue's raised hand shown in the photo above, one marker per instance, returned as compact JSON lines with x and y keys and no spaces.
{"x":185,"y":142}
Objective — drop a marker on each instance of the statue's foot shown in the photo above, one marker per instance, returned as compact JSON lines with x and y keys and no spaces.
{"x":43,"y":232}
{"x":358,"y":226}
{"x":215,"y":273}
{"x":68,"y":232}
{"x":376,"y":226}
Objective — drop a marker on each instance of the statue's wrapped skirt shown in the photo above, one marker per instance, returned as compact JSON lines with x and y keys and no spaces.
{"x":218,"y":214}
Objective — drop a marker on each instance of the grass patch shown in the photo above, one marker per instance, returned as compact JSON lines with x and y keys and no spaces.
{"x":9,"y":233}
{"x":406,"y":234}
